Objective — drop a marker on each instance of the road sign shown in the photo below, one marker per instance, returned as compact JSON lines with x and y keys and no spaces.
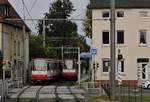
{"x":93,"y":51}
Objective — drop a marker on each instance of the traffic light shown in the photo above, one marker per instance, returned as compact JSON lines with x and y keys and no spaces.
{"x":97,"y":65}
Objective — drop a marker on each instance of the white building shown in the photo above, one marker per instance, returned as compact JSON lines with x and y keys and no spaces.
{"x":132,"y":38}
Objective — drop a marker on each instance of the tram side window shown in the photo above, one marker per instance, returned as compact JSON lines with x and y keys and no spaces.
{"x":65,"y":67}
{"x":48,"y":67}
{"x":75,"y":65}
{"x":33,"y":66}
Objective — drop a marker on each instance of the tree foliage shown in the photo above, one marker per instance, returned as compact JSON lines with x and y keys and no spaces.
{"x":37,"y":49}
{"x":88,"y":22}
{"x":60,"y":9}
{"x":58,"y":28}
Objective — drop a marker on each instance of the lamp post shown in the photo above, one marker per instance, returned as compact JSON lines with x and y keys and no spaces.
{"x":112,"y":52}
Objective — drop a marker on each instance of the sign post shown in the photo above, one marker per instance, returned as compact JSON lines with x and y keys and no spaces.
{"x":93,"y":52}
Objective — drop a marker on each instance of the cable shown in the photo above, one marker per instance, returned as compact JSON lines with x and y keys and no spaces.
{"x":28,"y":12}
{"x":23,"y":9}
{"x":34,"y":3}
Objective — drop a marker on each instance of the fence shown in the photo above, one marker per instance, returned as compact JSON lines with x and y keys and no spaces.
{"x":130,"y":93}
{"x":124,"y":93}
{"x":7,"y":85}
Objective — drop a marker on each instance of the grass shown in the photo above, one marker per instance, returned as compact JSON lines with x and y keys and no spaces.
{"x":124,"y":99}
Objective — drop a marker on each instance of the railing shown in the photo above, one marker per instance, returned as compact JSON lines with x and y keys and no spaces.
{"x":124,"y":93}
{"x":7,"y":85}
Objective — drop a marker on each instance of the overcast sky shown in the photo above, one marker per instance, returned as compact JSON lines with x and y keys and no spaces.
{"x":41,"y":6}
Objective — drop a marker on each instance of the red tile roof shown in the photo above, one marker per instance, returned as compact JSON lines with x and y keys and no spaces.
{"x":12,"y":15}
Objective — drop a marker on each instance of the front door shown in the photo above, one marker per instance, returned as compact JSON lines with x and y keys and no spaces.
{"x":143,"y":70}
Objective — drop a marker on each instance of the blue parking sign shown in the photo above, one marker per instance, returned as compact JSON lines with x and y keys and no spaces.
{"x":93,"y":51}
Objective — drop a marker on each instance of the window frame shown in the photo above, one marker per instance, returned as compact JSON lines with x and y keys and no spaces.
{"x":105,"y":60}
{"x":118,"y":41}
{"x":122,"y":65}
{"x":145,"y":36}
{"x":104,"y":13}
{"x":117,"y":14}
{"x":106,"y":31}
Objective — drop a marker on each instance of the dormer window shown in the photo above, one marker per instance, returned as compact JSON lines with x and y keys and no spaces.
{"x":4,"y":10}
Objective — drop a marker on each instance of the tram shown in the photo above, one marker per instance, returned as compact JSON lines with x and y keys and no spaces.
{"x":70,"y":69}
{"x":44,"y":69}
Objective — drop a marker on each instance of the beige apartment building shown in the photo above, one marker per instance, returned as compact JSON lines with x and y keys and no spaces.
{"x":132,"y":38}
{"x":14,"y":41}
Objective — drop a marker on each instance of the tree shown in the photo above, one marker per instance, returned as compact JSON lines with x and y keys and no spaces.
{"x":88,"y":22}
{"x":64,"y":29}
{"x":36,"y":47}
{"x":60,"y":9}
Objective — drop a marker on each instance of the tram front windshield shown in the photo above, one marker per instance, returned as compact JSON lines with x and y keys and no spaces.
{"x":40,"y":65}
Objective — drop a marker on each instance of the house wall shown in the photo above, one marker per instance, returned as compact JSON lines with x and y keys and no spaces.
{"x":15,"y":48}
{"x":131,"y":23}
{"x":12,"y":36}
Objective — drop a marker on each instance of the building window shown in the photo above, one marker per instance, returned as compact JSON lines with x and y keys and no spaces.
{"x":105,"y":14}
{"x":105,"y":63}
{"x":105,"y":37}
{"x":14,"y":48}
{"x":4,"y":10}
{"x":19,"y":48}
{"x":142,"y":36}
{"x":120,"y":14}
{"x":143,"y":14}
{"x":122,"y":66}
{"x":120,"y":37}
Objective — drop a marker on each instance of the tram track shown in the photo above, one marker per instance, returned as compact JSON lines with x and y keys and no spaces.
{"x":37,"y":94}
{"x":18,"y":96}
{"x":36,"y":91}
{"x":74,"y":95}
{"x":57,"y":98}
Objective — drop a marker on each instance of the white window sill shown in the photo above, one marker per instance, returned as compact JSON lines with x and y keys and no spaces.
{"x":105,"y":45}
{"x":118,"y":45}
{"x":142,"y":45}
{"x":121,"y":45}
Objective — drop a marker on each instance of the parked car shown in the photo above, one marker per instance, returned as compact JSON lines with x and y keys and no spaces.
{"x":146,"y":84}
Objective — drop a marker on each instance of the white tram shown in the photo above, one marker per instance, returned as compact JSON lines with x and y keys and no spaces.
{"x":44,"y":69}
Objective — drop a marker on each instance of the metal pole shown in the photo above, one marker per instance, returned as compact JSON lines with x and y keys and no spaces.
{"x":79,"y":67}
{"x":62,"y":52}
{"x":112,"y":51}
{"x":44,"y":33}
{"x":24,"y":48}
{"x":3,"y":86}
{"x":23,"y":70}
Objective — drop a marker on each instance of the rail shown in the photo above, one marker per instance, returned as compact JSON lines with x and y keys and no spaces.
{"x":18,"y":97}
{"x":7,"y":85}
